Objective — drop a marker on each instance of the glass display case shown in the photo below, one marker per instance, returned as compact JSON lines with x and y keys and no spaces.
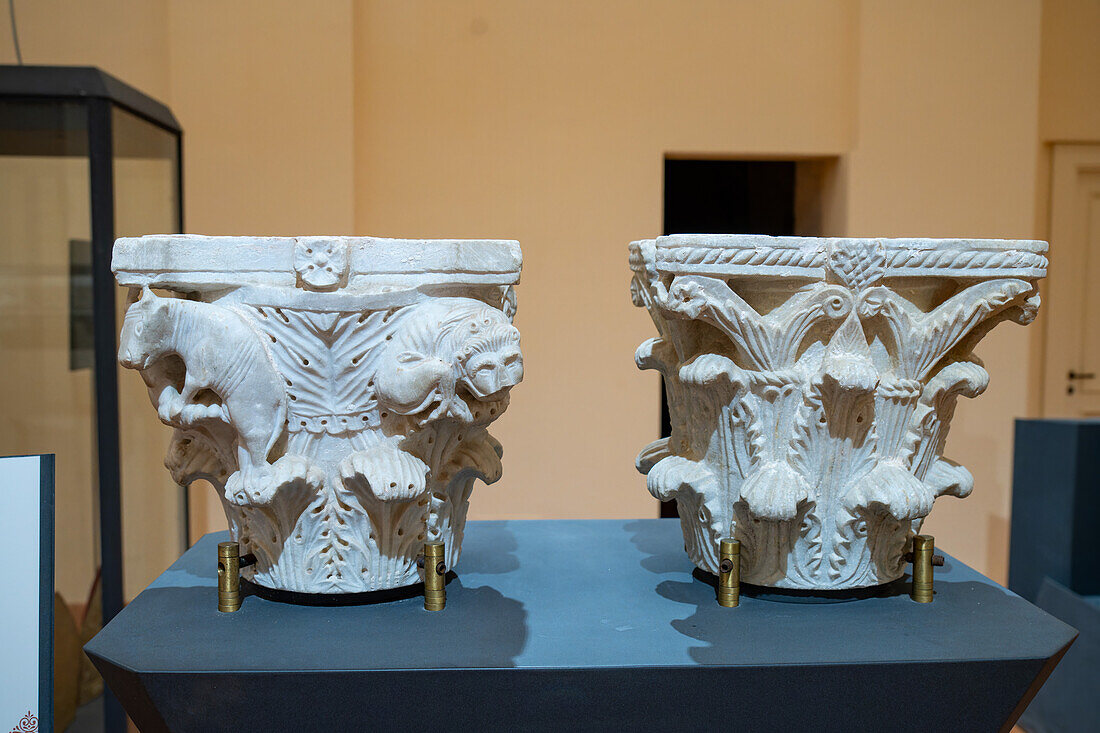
{"x":84,"y":159}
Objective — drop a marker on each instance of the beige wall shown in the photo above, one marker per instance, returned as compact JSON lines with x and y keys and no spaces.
{"x":548,"y":122}
{"x":1069,"y":101}
{"x":128,"y":38}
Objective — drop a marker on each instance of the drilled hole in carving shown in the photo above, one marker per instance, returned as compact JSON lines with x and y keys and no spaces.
{"x":305,"y":362}
{"x":279,"y":312}
{"x":385,"y":414}
{"x":400,"y":531}
{"x":207,"y":397}
{"x":273,"y":339}
{"x":393,"y":484}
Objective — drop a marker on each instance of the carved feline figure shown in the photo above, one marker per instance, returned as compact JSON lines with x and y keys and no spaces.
{"x":451,"y":358}
{"x":452,"y":349}
{"x":220,"y":377}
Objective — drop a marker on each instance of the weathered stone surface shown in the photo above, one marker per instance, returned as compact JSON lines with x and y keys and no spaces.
{"x":335,"y":390}
{"x":811,"y":383}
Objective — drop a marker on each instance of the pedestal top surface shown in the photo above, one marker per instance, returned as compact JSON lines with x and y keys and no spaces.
{"x":568,"y":594}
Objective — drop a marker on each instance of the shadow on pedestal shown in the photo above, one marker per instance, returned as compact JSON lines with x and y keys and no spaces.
{"x":178,"y":664}
{"x":971,"y":660}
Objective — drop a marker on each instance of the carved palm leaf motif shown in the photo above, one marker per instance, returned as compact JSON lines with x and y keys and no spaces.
{"x":266,"y":528}
{"x":923,"y":339}
{"x":937,"y":404}
{"x":770,"y":342}
{"x":331,"y":357}
{"x":809,"y":550}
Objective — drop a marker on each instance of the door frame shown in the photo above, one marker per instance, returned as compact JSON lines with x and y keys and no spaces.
{"x":1066,"y":161}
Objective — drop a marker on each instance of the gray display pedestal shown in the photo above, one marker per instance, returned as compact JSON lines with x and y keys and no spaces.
{"x":576,"y":625}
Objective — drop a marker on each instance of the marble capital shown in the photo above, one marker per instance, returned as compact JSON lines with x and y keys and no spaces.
{"x":335,"y":390}
{"x":811,"y":383}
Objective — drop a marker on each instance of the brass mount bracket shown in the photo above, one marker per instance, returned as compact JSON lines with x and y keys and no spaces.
{"x":729,"y":573}
{"x":230,"y":563}
{"x":435,"y":575}
{"x":924,"y":559}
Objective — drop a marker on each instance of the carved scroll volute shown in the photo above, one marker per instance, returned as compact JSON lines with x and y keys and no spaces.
{"x":821,"y":447}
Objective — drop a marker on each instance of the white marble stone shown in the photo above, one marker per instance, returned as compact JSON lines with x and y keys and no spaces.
{"x":335,"y":390}
{"x":811,"y":383}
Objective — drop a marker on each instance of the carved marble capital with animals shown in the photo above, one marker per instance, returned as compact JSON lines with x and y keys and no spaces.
{"x":811,"y":383}
{"x":335,"y":390}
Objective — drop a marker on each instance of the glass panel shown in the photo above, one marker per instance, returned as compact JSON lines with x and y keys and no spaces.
{"x":153,"y":508}
{"x":46,"y":384}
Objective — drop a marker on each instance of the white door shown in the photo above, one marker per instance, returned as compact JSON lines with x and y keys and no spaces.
{"x":1072,"y":355}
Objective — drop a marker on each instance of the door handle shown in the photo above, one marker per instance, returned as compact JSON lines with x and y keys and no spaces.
{"x":1080,"y":375}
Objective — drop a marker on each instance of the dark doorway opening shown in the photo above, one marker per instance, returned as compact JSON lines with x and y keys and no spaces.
{"x":726,"y":197}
